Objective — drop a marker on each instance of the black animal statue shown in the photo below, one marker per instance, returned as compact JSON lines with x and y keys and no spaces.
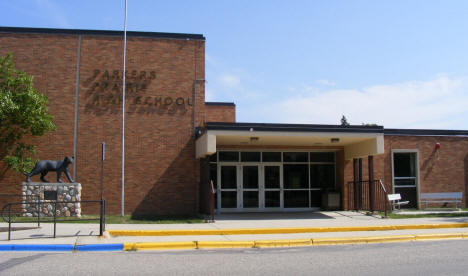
{"x":45,"y":166}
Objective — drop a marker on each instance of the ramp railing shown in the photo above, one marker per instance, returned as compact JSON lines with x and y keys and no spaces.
{"x":14,"y":212}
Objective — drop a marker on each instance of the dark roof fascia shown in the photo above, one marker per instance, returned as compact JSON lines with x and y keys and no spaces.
{"x":292,"y":127}
{"x":424,"y":132}
{"x":100,"y":33}
{"x":220,"y":104}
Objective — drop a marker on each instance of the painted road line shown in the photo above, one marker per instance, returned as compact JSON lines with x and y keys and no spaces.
{"x":37,"y":247}
{"x":100,"y":247}
{"x":253,"y":231}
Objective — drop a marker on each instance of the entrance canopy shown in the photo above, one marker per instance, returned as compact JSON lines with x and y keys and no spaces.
{"x":357,"y":141}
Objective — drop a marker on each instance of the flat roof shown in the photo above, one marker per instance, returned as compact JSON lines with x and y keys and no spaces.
{"x":24,"y":30}
{"x":220,"y":103}
{"x":332,"y":128}
{"x":425,"y":132}
{"x":292,"y":127}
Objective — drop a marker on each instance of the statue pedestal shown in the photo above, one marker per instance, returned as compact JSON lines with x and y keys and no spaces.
{"x":68,"y":194}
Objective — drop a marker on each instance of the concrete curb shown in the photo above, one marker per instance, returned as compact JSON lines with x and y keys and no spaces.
{"x":253,"y":231}
{"x":134,"y":246}
{"x":289,"y":243}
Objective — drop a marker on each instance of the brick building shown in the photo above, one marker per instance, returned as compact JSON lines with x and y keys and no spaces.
{"x":175,"y":142}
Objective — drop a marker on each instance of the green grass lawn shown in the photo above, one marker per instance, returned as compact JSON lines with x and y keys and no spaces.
{"x":447,"y":215}
{"x":115,"y":219}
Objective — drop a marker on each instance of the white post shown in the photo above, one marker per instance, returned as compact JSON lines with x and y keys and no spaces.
{"x":123,"y":111}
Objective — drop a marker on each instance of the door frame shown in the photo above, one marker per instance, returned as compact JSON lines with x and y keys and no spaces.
{"x":416,"y":151}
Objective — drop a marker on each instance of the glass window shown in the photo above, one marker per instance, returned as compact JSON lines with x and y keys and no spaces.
{"x":250,"y":199}
{"x":322,"y":157}
{"x":250,"y":177}
{"x":322,"y":176}
{"x":249,"y":156}
{"x":272,"y":199}
{"x":296,"y":199}
{"x":229,"y":156}
{"x":272,"y":177}
{"x":295,"y":156}
{"x":228,"y":199}
{"x":296,"y":176}
{"x":228,"y":177}
{"x":404,"y":164}
{"x":271,"y":156}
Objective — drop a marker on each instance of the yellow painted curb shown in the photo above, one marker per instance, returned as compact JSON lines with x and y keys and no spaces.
{"x":283,"y":243}
{"x":288,"y":243}
{"x":439,"y":236}
{"x":247,"y":231}
{"x":225,"y":244}
{"x":159,"y":245}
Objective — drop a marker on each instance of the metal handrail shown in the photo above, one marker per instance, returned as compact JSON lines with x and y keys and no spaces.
{"x":358,"y":185}
{"x":54,"y":219}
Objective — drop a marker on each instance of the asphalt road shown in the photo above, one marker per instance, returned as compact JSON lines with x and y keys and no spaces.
{"x":410,"y":258}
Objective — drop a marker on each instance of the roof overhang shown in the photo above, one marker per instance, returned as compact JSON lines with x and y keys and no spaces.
{"x":356,"y":144}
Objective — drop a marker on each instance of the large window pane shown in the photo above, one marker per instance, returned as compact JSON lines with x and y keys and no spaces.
{"x":322,"y":157}
{"x":315,"y":198}
{"x":229,"y":156}
{"x":250,"y":199}
{"x":272,"y":199}
{"x":322,"y":176}
{"x":404,"y":164}
{"x":228,"y":177}
{"x":295,"y":156}
{"x":272,"y":177}
{"x":228,"y":199}
{"x":271,"y":157}
{"x":296,"y":176}
{"x":250,"y":156}
{"x":296,"y":199}
{"x":250,"y":177}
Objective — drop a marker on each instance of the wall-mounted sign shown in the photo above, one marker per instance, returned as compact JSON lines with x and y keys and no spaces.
{"x":104,"y":94}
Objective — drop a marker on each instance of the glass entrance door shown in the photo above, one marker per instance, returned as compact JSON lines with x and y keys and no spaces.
{"x":250,"y":187}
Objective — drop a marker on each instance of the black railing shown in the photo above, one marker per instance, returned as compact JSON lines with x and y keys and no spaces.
{"x":14,"y":212}
{"x":367,"y":196}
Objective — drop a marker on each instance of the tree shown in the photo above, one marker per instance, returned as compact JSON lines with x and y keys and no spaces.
{"x":344,"y":121}
{"x":23,"y":111}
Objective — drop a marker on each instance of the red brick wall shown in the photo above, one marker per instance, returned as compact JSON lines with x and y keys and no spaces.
{"x":220,"y":113}
{"x":161,"y":175}
{"x":446,"y":171}
{"x":442,"y":171}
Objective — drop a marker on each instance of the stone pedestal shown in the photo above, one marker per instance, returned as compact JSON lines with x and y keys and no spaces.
{"x":68,"y":194}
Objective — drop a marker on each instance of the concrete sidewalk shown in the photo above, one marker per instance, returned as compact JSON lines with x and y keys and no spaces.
{"x":87,"y":234}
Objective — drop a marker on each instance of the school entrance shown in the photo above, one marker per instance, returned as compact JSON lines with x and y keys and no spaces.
{"x":256,"y":181}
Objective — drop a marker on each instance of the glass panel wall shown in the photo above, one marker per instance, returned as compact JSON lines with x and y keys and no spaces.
{"x":296,"y":180}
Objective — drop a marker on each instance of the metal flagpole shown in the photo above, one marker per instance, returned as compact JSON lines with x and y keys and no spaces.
{"x":123,"y":111}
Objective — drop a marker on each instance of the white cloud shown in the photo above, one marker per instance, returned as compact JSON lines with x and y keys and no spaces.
{"x":437,"y":103}
{"x":325,"y":82}
{"x":229,"y":80}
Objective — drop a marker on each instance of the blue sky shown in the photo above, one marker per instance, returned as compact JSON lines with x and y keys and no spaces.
{"x":401,"y":64}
